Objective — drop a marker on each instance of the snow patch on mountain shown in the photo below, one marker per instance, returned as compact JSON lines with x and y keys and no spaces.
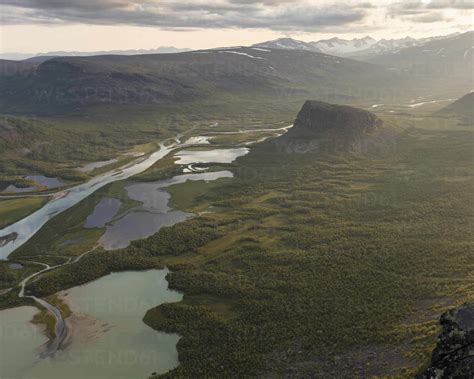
{"x":240,"y":53}
{"x":260,"y":49}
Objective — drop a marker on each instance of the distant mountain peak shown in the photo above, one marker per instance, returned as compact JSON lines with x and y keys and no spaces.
{"x":344,"y":47}
{"x":333,"y":39}
{"x":285,"y":39}
{"x":287,"y":43}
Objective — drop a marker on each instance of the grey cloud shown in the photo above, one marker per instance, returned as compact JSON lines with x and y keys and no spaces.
{"x":453,"y":4}
{"x":86,"y":5}
{"x":429,"y":17}
{"x":366,"y":5}
{"x":284,"y":15}
{"x":407,"y":6}
{"x":426,"y":12}
{"x":264,"y":2}
{"x":218,"y":8}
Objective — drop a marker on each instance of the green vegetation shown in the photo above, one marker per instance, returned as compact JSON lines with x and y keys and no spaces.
{"x":324,"y":255}
{"x":10,"y":299}
{"x":59,"y":303}
{"x":183,"y":196}
{"x":10,"y":275}
{"x":56,"y":145}
{"x":93,"y":266}
{"x":65,"y":235}
{"x":17,"y":181}
{"x":305,"y":257}
{"x":12,"y":210}
{"x":45,"y":318}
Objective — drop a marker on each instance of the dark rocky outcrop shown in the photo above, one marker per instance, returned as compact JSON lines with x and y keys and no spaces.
{"x":453,"y":356}
{"x":331,"y":128}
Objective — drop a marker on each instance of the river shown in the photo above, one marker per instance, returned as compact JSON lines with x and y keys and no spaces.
{"x":28,"y":226}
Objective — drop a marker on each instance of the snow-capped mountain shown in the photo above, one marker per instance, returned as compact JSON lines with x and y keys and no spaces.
{"x":447,"y":61}
{"x":288,"y":44}
{"x":385,"y":45}
{"x":361,"y":48}
{"x":390,"y":46}
{"x":365,"y":46}
{"x":450,"y":53}
{"x":344,"y":47}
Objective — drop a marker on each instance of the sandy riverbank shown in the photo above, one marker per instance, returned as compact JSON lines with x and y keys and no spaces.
{"x":82,"y":327}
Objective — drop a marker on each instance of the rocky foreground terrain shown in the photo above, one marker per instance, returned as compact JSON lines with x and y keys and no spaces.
{"x":453,"y":356}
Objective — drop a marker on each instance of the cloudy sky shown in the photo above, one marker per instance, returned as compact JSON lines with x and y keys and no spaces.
{"x":90,"y":25}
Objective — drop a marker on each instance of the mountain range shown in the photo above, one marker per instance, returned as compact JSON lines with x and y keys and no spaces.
{"x":358,"y":48}
{"x":436,"y":66}
{"x":431,"y":64}
{"x":365,"y":47}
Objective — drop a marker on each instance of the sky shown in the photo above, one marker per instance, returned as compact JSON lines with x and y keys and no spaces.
{"x":34,"y":26}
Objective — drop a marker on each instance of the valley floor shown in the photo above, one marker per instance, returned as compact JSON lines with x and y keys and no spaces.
{"x":304,"y":263}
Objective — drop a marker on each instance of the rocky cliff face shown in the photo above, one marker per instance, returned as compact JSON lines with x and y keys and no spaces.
{"x":327,"y":127}
{"x":453,"y":356}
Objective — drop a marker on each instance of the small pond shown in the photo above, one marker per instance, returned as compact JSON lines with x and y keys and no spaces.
{"x":46,"y":181}
{"x":103,"y":212}
{"x":208,"y":156}
{"x":154,"y":213}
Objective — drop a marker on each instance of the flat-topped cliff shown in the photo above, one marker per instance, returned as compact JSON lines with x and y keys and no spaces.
{"x":329,"y":126}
